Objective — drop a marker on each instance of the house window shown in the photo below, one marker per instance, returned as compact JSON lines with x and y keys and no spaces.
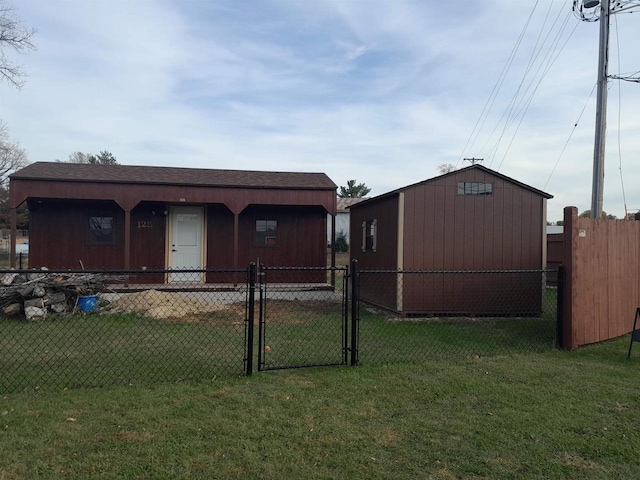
{"x":475,"y":188}
{"x":369,"y":235}
{"x":101,"y":231}
{"x":266,"y":233}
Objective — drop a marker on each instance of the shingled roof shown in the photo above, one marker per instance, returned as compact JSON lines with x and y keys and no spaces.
{"x":456,"y":172}
{"x":76,"y":172}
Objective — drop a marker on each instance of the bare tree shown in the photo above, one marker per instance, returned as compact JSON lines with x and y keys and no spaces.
{"x":446,"y":168}
{"x":12,"y":156}
{"x":18,"y":37}
{"x":79,"y":157}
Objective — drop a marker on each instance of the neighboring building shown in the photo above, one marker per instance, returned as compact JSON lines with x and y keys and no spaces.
{"x":133,"y":217}
{"x":470,"y":219}
{"x":342,"y":217}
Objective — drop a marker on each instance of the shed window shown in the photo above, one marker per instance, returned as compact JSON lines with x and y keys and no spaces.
{"x":101,"y":231}
{"x":266,"y":234}
{"x":369,"y":235}
{"x":475,"y":188}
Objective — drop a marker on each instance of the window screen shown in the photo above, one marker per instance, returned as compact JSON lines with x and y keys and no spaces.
{"x":101,"y":231}
{"x":475,"y":188}
{"x":266,"y":234}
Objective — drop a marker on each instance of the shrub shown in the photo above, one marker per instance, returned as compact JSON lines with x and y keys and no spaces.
{"x":342,"y":245}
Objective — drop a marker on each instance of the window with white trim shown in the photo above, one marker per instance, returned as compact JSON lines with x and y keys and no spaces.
{"x":369,"y":235}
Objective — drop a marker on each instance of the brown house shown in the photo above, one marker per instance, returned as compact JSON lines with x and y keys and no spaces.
{"x":134,"y":217}
{"x":473,"y":219}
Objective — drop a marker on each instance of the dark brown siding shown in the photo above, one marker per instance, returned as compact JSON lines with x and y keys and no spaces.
{"x":555,"y":255}
{"x":220,"y":237}
{"x":299,"y":202}
{"x":130,"y":195}
{"x":220,"y":244}
{"x":59,"y":230}
{"x":59,"y":233}
{"x":447,"y":231}
{"x":379,"y":289}
{"x":148,"y":241}
{"x":301,"y":241}
{"x":482,"y":294}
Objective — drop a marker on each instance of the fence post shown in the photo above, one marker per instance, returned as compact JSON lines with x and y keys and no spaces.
{"x":560,"y":309}
{"x":355,"y":298}
{"x":251,"y":316}
{"x":261,"y":299}
{"x":345,"y":320}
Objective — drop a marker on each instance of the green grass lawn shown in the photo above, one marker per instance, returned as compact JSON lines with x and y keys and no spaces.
{"x":121,"y":349}
{"x":118,"y":349}
{"x":533,"y":415}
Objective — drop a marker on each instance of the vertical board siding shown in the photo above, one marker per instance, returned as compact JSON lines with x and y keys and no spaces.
{"x":555,"y":255}
{"x":301,"y":241}
{"x":381,"y":289}
{"x":148,"y":241}
{"x":59,"y":232}
{"x":496,"y":224}
{"x":515,"y":230}
{"x":220,"y":244}
{"x":507,"y":226}
{"x":472,"y":232}
{"x":447,"y":231}
{"x":603,"y":287}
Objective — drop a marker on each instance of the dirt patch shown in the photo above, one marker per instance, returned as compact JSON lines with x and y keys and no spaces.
{"x":164,"y":305}
{"x":302,"y":312}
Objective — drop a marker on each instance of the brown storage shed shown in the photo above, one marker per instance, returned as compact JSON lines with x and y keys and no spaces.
{"x":469,"y":220}
{"x":135,"y":217}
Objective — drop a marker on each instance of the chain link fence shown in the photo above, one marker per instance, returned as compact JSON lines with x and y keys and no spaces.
{"x":95,"y":328}
{"x":416,"y":316}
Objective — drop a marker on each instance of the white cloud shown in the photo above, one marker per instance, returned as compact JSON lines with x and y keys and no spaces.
{"x":378,"y":91}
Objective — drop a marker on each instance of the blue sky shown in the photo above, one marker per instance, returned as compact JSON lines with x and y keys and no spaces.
{"x":378,"y":91}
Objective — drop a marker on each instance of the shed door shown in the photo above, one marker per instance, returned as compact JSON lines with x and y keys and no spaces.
{"x":186,"y":243}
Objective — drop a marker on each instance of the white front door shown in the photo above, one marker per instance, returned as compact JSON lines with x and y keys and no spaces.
{"x":186,"y":243}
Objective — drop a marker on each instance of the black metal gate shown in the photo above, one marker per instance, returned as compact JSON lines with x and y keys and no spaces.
{"x":302,"y":317}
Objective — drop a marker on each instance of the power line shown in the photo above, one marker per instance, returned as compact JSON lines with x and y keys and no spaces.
{"x":624,"y":197}
{"x":496,"y":88}
{"x":550,"y":63}
{"x":570,"y":135}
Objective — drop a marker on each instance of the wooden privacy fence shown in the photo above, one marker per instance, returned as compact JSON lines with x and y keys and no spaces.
{"x":601,"y":281}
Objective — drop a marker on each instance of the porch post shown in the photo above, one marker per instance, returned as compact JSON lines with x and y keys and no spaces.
{"x":236,"y":237}
{"x":12,"y":240}
{"x":127,"y":239}
{"x":333,"y":250}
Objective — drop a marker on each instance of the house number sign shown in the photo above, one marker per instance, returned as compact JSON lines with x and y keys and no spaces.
{"x":145,"y":224}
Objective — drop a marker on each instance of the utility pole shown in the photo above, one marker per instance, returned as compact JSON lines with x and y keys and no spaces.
{"x":586,"y":11}
{"x":473,"y":161}
{"x":597,"y":188}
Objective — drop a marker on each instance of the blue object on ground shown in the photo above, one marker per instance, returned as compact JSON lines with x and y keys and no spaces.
{"x":88,"y":303}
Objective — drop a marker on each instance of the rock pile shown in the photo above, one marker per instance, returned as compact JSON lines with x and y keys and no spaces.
{"x":39,"y":292}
